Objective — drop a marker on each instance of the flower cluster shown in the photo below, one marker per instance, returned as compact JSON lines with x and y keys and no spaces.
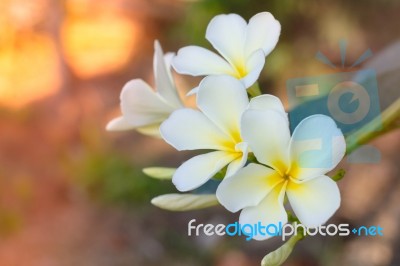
{"x":249,"y":143}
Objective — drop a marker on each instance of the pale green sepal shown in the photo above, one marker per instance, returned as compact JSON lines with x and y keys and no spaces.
{"x":159,"y":172}
{"x":184,"y":202}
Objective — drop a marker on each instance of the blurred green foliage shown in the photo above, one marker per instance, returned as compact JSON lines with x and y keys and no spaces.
{"x":111,"y":178}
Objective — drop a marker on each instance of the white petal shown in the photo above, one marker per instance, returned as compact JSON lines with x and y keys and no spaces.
{"x":269,"y":211}
{"x":121,"y":124}
{"x":223,"y":99}
{"x":314,"y":201}
{"x":237,"y":164}
{"x":197,"y":61}
{"x":262,"y":33}
{"x":267,"y":102}
{"x":199,"y":169}
{"x":150,"y":130}
{"x":268,"y":136}
{"x":163,"y":79}
{"x":118,"y":124}
{"x":188,"y":129}
{"x":254,"y":65}
{"x":168,"y":57}
{"x":227,"y":33}
{"x":316,"y":147}
{"x":193,"y":91}
{"x":184,"y":202}
{"x":247,"y":187}
{"x":141,"y":106}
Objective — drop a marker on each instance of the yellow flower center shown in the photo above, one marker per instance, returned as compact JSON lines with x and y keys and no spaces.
{"x":240,"y":71}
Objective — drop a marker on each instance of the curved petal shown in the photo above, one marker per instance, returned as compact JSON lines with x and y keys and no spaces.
{"x":314,"y":201}
{"x":254,"y":65}
{"x":199,"y":169}
{"x":267,"y":102}
{"x":141,"y":106}
{"x":197,"y":61}
{"x":227,"y":33}
{"x":119,"y":124}
{"x":150,"y":130}
{"x":269,"y":211}
{"x":248,"y":187}
{"x":188,"y":129}
{"x":237,"y":164}
{"x":268,"y":136}
{"x":163,"y":79}
{"x":316,"y":147}
{"x":223,"y":99}
{"x":193,"y":91}
{"x":262,"y":33}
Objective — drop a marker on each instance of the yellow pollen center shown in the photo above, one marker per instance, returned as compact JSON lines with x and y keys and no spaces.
{"x":241,"y":71}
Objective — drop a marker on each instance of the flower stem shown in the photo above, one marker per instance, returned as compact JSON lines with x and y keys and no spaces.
{"x":254,"y":90}
{"x":388,"y":120}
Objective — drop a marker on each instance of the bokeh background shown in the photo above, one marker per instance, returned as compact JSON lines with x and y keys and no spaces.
{"x":73,"y":194}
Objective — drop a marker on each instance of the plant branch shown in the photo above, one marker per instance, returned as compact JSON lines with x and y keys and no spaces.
{"x":388,"y":120}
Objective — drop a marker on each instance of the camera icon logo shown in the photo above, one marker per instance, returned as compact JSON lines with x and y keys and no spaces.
{"x":350,"y":98}
{"x":360,"y":97}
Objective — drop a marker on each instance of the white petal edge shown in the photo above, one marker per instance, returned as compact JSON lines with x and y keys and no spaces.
{"x":189,"y":129}
{"x":198,"y":61}
{"x":198,"y":170}
{"x":269,"y":211}
{"x":237,"y":164}
{"x":266,"y":102}
{"x":119,"y":124}
{"x":223,"y":99}
{"x":254,"y":65}
{"x":193,"y":91}
{"x":248,"y":187}
{"x":141,"y":106}
{"x":316,"y":147}
{"x":163,"y":78}
{"x":150,"y":130}
{"x":227,"y":34}
{"x":267,"y":134}
{"x":314,"y":201}
{"x":263,"y":33}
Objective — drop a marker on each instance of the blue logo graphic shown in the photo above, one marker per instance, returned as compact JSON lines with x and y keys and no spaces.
{"x":350,"y":98}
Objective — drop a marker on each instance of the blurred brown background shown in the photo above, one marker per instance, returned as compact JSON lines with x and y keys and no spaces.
{"x":73,"y":194}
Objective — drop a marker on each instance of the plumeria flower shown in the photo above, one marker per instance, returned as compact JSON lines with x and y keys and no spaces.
{"x":215,"y":126}
{"x":143,"y":108}
{"x":297,"y":167}
{"x":243,"y":48}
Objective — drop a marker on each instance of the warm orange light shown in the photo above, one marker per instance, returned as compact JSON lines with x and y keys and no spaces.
{"x":98,"y":45}
{"x":29,"y":70}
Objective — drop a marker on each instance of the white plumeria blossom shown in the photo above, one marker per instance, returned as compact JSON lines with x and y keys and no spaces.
{"x":143,"y":108}
{"x":259,"y":191}
{"x":215,"y":126}
{"x":243,"y":47}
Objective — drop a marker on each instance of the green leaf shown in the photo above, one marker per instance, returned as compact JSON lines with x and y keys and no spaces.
{"x":185,"y":202}
{"x":280,"y":255}
{"x":339,"y":175}
{"x":159,"y":172}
